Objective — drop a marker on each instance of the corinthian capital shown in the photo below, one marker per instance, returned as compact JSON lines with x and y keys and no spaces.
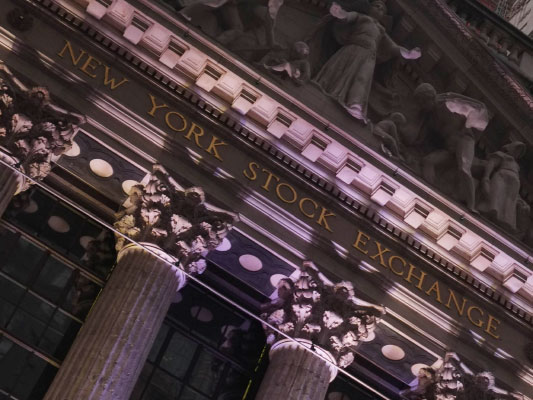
{"x":330,"y":315}
{"x":32,"y":129}
{"x":453,"y":380}
{"x":176,"y":220}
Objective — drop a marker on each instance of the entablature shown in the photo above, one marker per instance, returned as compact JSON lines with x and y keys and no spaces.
{"x":331,"y":152}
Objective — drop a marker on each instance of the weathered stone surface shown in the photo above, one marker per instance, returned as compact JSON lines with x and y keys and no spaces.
{"x":176,"y":220}
{"x":455,"y":381}
{"x":295,"y":373}
{"x":111,"y":348}
{"x":174,"y":230}
{"x":10,"y":182}
{"x":33,"y":130}
{"x":329,"y":315}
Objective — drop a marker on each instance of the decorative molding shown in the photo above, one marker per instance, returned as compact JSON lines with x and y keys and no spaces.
{"x":176,"y":220}
{"x":33,"y":130}
{"x":453,"y":380}
{"x":311,"y":307}
{"x":363,"y":177}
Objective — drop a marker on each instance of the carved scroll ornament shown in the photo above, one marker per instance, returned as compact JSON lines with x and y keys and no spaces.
{"x":32,"y":129}
{"x":455,"y":381}
{"x":313,"y":308}
{"x":178,"y":221}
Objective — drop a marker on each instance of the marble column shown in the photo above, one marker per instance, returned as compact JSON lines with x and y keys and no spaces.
{"x":10,"y":181}
{"x":113,"y":344}
{"x":295,"y":373}
{"x":312,"y":309}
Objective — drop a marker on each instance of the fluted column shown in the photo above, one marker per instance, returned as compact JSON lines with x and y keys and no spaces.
{"x":113,"y":344}
{"x":10,"y":182}
{"x":295,"y":373}
{"x":313,"y":310}
{"x":109,"y":352}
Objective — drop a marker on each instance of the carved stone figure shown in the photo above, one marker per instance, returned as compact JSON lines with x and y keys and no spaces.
{"x":455,"y":381}
{"x":351,"y":44}
{"x":500,"y":186}
{"x":387,"y":132}
{"x":32,"y":128}
{"x":178,"y":221}
{"x":229,"y":21}
{"x":452,"y":123}
{"x":313,"y":308}
{"x":291,"y":63}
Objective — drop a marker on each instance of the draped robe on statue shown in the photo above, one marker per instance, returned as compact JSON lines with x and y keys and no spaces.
{"x":346,"y":74}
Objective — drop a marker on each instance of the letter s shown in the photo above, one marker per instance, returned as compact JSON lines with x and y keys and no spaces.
{"x":253,"y":167}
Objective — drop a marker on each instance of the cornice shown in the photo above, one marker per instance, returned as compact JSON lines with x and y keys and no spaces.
{"x":465,"y":38}
{"x":388,"y":203}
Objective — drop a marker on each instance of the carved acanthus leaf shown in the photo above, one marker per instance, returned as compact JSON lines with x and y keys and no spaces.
{"x":178,"y":221}
{"x":453,"y":380}
{"x":32,"y":129}
{"x":311,"y":307}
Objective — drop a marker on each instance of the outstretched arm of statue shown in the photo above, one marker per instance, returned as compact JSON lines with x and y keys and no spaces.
{"x":340,"y":13}
{"x":412,"y":54}
{"x":12,"y":78}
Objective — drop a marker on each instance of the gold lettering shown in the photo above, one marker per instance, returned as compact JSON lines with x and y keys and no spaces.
{"x":404,"y":263}
{"x":322,"y":221}
{"x":479,"y":322}
{"x":89,"y":65}
{"x":111,"y":82}
{"x":491,"y":329}
{"x":380,"y":253}
{"x":155,"y":107}
{"x":68,"y":47}
{"x":435,"y":288}
{"x":460,"y":310}
{"x":193,"y":131}
{"x":180,"y":117}
{"x":267,"y":182}
{"x":212,"y":148}
{"x":251,"y":166}
{"x":301,"y":205}
{"x":419,"y":278}
{"x":291,"y":189}
{"x":362,"y":239}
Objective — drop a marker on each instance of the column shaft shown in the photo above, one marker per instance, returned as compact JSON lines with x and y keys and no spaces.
{"x":110,"y":350}
{"x":9,"y":183}
{"x":295,"y":373}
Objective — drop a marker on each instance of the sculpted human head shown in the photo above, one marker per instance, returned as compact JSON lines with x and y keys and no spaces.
{"x":425,"y":96}
{"x":377,"y":9}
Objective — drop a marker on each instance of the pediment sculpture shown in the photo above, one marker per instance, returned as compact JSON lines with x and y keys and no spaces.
{"x":328,"y":314}
{"x":33,"y":130}
{"x":347,"y":46}
{"x":177,"y":220}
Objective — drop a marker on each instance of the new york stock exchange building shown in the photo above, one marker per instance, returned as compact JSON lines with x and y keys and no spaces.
{"x":265,"y":199}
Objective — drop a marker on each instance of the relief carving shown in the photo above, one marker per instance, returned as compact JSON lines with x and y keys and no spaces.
{"x":330,"y":315}
{"x":351,"y":44}
{"x":33,"y":130}
{"x":446,"y":126}
{"x":177,"y":220}
{"x":500,"y":187}
{"x":455,"y":381}
{"x":236,"y":23}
